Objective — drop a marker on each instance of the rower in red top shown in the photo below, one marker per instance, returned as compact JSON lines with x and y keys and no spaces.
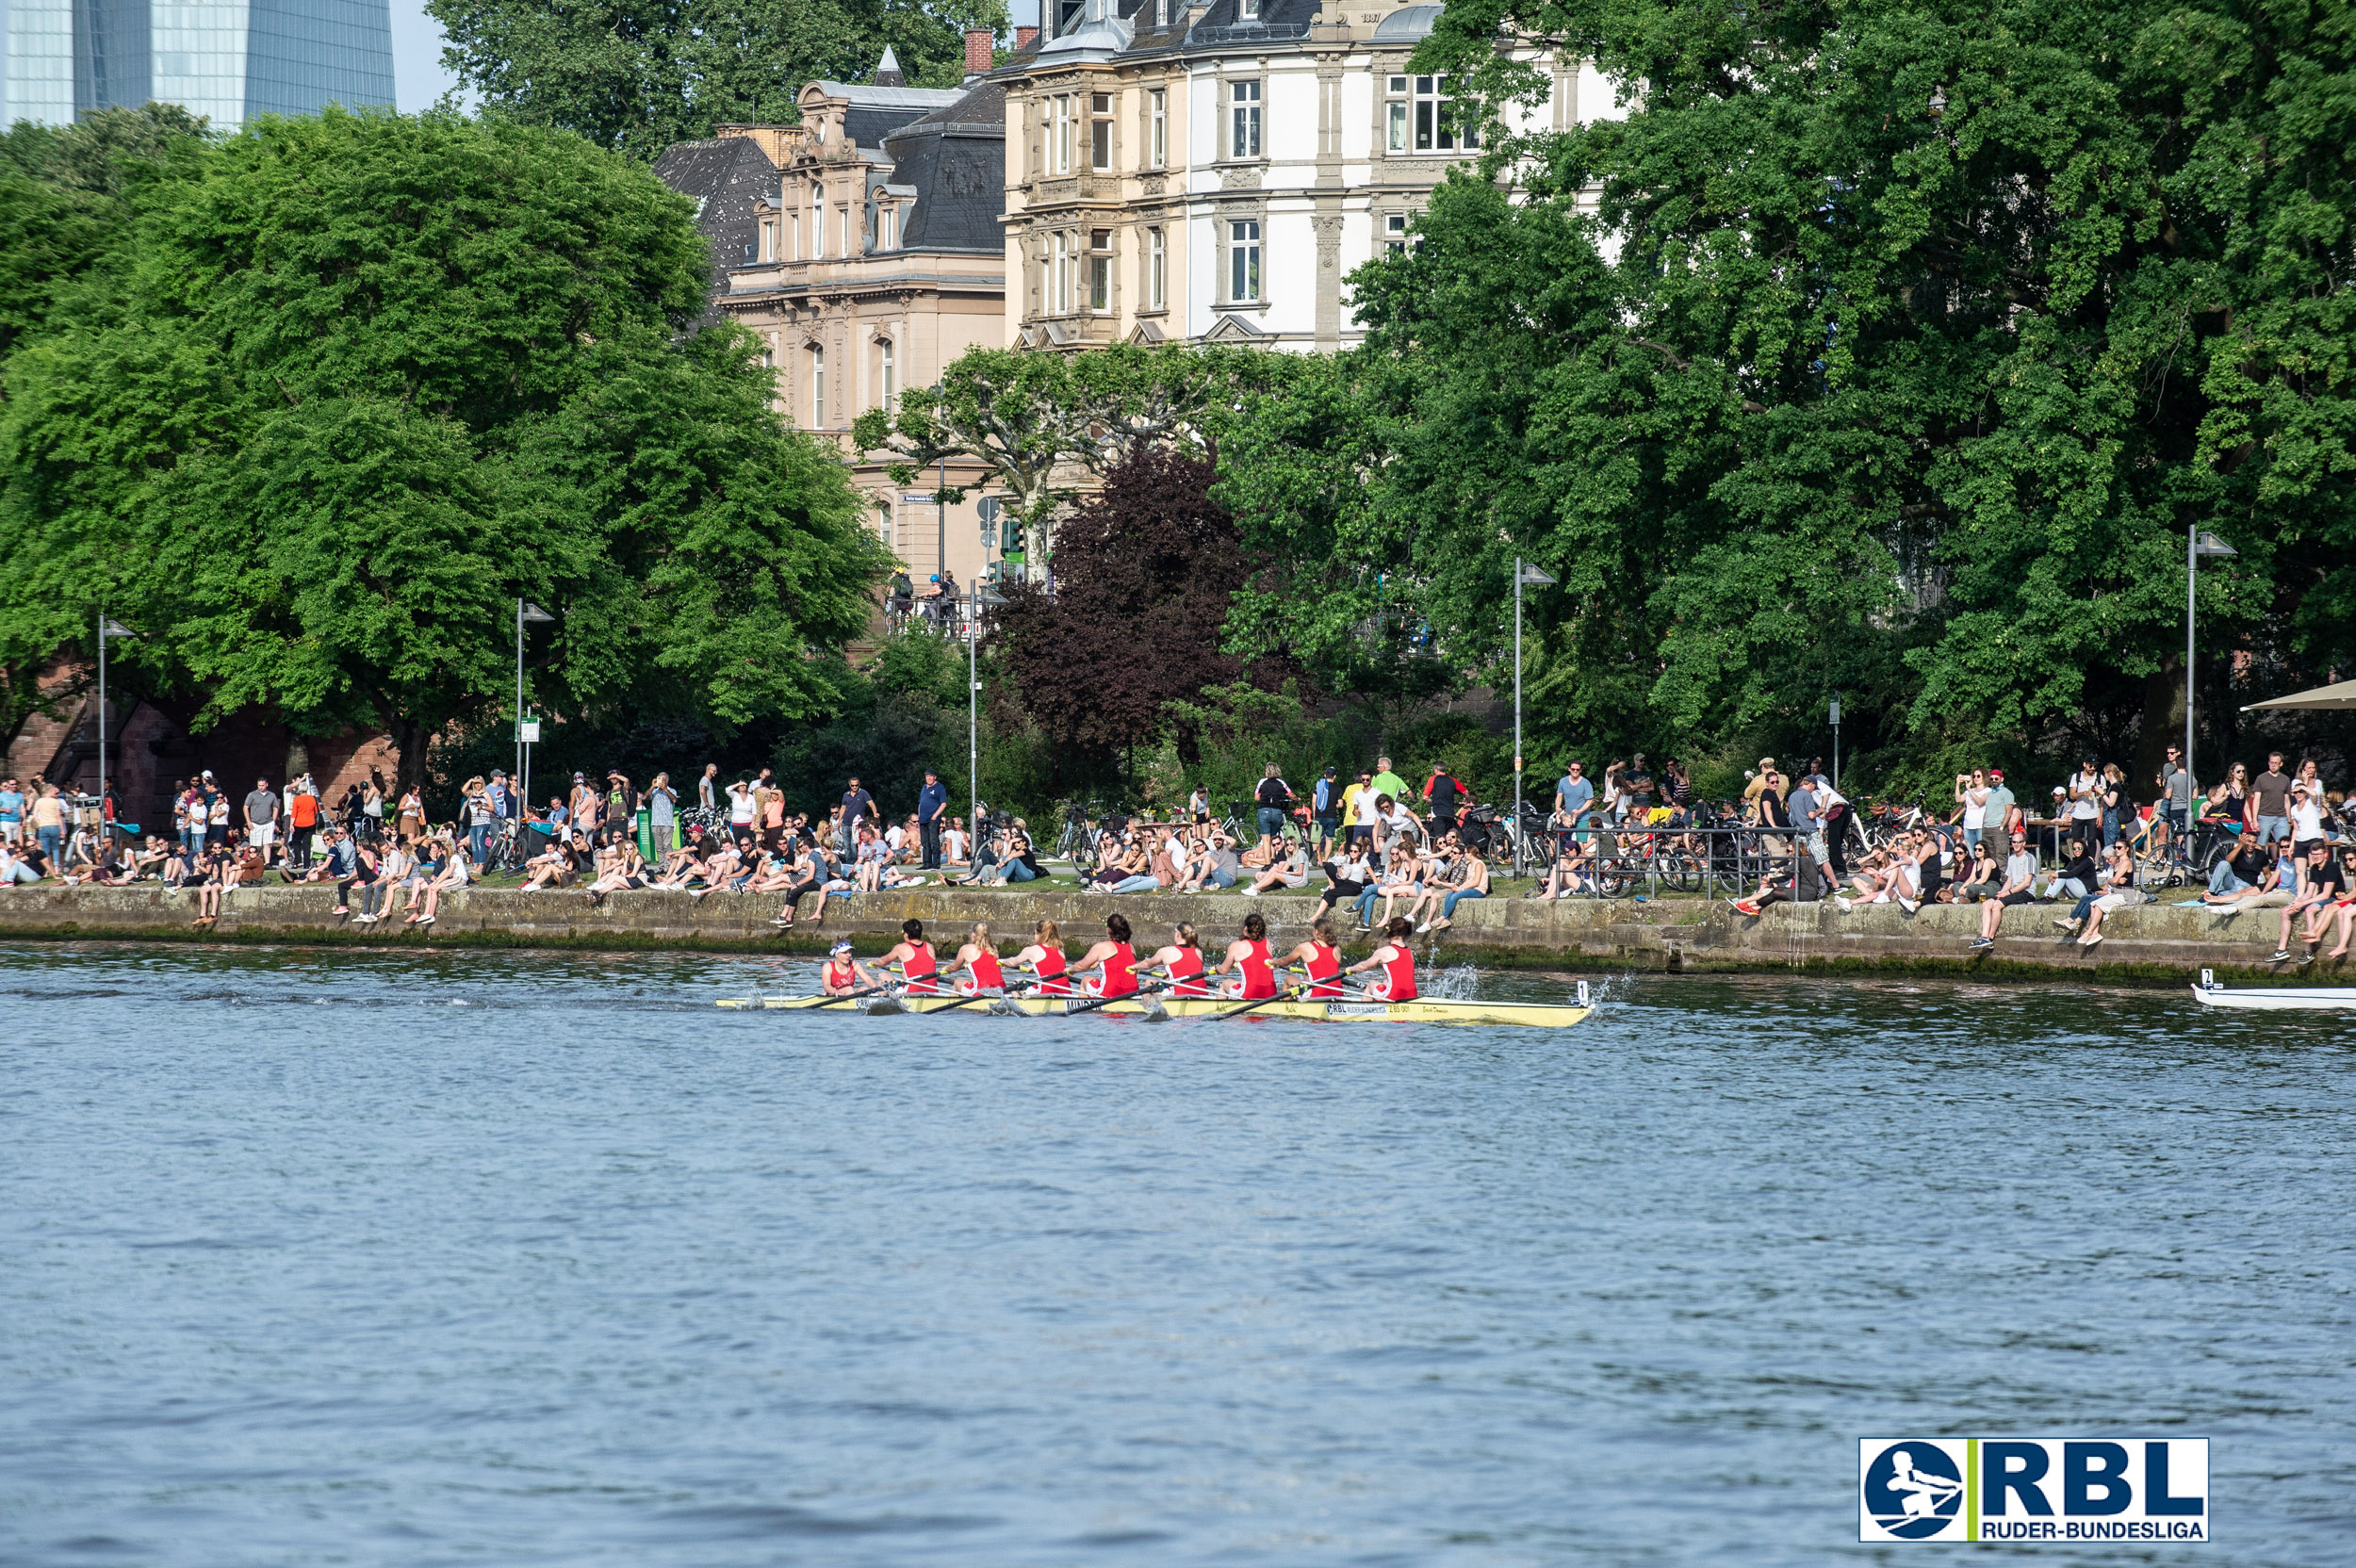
{"x":1322,"y":959}
{"x":1116,"y":959}
{"x":979,"y":958}
{"x":843,"y":974}
{"x":914,"y":955}
{"x":1248,"y":957}
{"x":1181,"y":961}
{"x":1044,"y":958}
{"x":1397,"y":983}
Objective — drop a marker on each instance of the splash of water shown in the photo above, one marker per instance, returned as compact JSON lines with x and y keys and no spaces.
{"x":1460,"y":984}
{"x":1610,"y":988}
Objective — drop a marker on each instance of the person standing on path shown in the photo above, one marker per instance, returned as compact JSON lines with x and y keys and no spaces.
{"x":2270,"y":801}
{"x":1271,"y":796}
{"x":261,"y":819}
{"x":932,"y":804}
{"x":1386,"y":782}
{"x":662,"y":812}
{"x":856,"y":804}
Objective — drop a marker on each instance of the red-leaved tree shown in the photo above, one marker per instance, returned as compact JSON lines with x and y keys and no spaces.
{"x":1143,"y":573}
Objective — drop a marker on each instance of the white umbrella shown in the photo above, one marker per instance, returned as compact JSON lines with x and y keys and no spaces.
{"x":2341,"y":695}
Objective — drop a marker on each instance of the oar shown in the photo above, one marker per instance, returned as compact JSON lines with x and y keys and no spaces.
{"x":1287,"y":991}
{"x":982,"y":996}
{"x":830,"y":1001}
{"x":1139,"y":994}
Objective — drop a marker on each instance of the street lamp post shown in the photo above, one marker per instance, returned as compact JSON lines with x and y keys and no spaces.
{"x":106,"y":628}
{"x":1523,"y":572}
{"x":525,"y":611}
{"x":1836,"y":741}
{"x":2197,"y":543}
{"x":983,"y":594}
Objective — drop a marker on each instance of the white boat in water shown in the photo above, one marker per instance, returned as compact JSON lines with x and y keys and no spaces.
{"x":2273,"y":998}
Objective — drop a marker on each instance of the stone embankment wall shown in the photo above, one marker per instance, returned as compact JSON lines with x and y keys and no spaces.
{"x":2154,"y":942}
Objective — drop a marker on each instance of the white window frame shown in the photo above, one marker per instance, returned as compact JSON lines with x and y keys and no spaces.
{"x":889,"y":373}
{"x":1245,"y":284}
{"x":1061,"y":135}
{"x":768,"y":239}
{"x":817,"y":222}
{"x":1100,"y":271}
{"x":1415,"y":115}
{"x":1101,"y":131}
{"x":1243,"y":120}
{"x":1156,"y":269}
{"x":817,"y":386}
{"x":1395,"y":239}
{"x":887,"y":228}
{"x":1247,"y":10}
{"x":1157,"y":135}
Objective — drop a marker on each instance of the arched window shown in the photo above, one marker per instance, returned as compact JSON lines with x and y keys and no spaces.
{"x":888,"y":372}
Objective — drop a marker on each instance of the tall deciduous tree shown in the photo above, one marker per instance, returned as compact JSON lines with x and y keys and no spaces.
{"x":1144,"y":571}
{"x":1797,"y":384}
{"x":372,"y":379}
{"x":1039,"y":420}
{"x":637,"y":76}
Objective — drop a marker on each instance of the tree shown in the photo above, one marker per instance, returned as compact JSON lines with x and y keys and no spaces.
{"x":1144,"y":570}
{"x":373,"y":378}
{"x":1037,"y":420}
{"x":1796,"y":385}
{"x":637,"y":76}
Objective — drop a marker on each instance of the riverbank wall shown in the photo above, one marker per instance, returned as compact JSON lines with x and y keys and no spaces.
{"x":2154,"y":942}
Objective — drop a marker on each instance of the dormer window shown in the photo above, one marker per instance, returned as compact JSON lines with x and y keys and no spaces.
{"x":887,"y":228}
{"x":1247,"y":10}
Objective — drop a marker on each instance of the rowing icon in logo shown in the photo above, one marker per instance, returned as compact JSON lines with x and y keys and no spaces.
{"x":1913,"y":1489}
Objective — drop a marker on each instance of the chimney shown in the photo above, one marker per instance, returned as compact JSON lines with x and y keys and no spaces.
{"x":1024,"y":38}
{"x":979,"y":45}
{"x":888,"y":69}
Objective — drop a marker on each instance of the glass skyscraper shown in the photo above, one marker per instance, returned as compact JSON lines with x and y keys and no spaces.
{"x":226,"y":59}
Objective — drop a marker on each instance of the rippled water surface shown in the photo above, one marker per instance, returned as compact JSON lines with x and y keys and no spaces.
{"x":530,"y":1258}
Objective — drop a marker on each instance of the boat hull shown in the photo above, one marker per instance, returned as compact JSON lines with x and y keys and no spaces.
{"x":2277,"y":998}
{"x":1538,"y":1014}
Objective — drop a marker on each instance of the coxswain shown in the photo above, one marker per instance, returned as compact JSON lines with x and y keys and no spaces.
{"x":1321,"y":960}
{"x":1247,"y":959}
{"x":843,"y":974}
{"x":1044,"y":957}
{"x":979,"y":958}
{"x":1181,"y":961}
{"x":914,"y":955}
{"x":1115,"y":957}
{"x":1396,"y":962}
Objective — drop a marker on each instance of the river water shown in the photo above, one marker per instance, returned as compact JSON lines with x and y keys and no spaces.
{"x":382,"y":1258}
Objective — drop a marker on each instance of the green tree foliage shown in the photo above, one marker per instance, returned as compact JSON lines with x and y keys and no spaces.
{"x":636,"y":77}
{"x":1038,"y":421}
{"x":370,"y":378}
{"x":1797,"y":385}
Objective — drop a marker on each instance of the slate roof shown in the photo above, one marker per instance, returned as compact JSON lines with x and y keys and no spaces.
{"x":727,"y":176}
{"x":955,"y":159}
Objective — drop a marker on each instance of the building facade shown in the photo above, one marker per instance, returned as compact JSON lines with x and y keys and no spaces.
{"x":1215,"y":171}
{"x":870,"y":259}
{"x":228,"y":60}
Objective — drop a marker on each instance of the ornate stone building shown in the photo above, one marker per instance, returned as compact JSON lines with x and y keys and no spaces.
{"x":863,"y":248}
{"x":1214,"y":172}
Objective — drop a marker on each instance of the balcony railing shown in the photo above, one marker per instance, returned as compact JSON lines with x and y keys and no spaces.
{"x":1249,"y":32}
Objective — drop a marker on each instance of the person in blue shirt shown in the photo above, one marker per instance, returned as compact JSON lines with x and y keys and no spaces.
{"x":1573,"y":796}
{"x":931,"y":802}
{"x":12,"y":813}
{"x":1327,"y":802}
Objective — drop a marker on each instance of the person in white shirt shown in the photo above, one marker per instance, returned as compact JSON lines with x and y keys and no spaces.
{"x":2086,"y":801}
{"x":2306,"y":814}
{"x":953,"y":842}
{"x":740,"y":808}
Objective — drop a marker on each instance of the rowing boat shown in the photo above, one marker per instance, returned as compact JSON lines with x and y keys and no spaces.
{"x":1541,"y":1014}
{"x":2273,"y":999}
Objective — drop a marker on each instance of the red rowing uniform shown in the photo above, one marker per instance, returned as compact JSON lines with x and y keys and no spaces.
{"x":985,"y":972}
{"x":918,"y":969}
{"x":1053,"y":981}
{"x":1324,"y":964}
{"x":1186,"y":973}
{"x":846,"y":976}
{"x":1399,"y":971}
{"x":1259,"y":976}
{"x":1120,"y":973}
